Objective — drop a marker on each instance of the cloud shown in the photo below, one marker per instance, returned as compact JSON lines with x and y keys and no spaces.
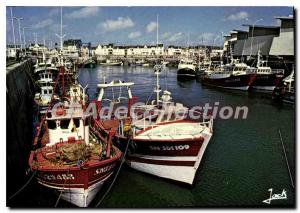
{"x":43,"y":24}
{"x":237,"y":16}
{"x":54,"y":12}
{"x":176,"y":37}
{"x":112,"y":25}
{"x":134,"y":35}
{"x":208,"y":37}
{"x":151,"y":27}
{"x":166,"y":35}
{"x":84,"y":12}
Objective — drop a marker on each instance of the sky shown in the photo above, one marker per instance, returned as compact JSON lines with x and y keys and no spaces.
{"x":137,"y":25}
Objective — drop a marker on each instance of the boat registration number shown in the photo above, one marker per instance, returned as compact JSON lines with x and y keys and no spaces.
{"x":169,"y":148}
{"x":104,"y":169}
{"x":59,"y":177}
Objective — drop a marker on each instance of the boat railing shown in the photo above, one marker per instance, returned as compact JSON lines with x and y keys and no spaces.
{"x":207,"y":122}
{"x":278,"y":71}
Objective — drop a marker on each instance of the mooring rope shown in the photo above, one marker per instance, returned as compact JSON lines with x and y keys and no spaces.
{"x":63,"y":189}
{"x":119,"y":169}
{"x":17,"y":192}
{"x":286,"y":160}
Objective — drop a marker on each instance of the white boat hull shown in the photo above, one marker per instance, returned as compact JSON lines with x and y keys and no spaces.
{"x":78,"y":196}
{"x":170,"y":167}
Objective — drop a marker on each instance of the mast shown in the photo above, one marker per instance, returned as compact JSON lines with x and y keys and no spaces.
{"x":157,"y":30}
{"x":258,"y":59}
{"x":157,"y":70}
{"x":61,"y":36}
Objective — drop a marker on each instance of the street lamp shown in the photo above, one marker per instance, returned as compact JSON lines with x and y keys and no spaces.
{"x":19,"y":22}
{"x":221,"y":56}
{"x":252,"y":34}
{"x":24,"y":39}
{"x":13,"y":27}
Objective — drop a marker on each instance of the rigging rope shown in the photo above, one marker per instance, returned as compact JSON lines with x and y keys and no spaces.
{"x":17,"y":192}
{"x":119,"y":169}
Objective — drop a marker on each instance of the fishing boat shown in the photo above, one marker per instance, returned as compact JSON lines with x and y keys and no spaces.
{"x":45,"y":66}
{"x":186,"y":69}
{"x":70,"y":155}
{"x":164,"y":141}
{"x":90,"y":63}
{"x":266,"y":78}
{"x":285,"y":90}
{"x":46,"y":90}
{"x":141,"y":62}
{"x":109,"y":62}
{"x":237,"y":76}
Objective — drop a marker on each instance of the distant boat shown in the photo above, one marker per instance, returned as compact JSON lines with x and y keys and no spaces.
{"x":232,"y":76}
{"x":186,"y":69}
{"x":90,"y":63}
{"x":266,"y":78}
{"x":141,"y":62}
{"x":285,"y":90}
{"x":109,"y":62}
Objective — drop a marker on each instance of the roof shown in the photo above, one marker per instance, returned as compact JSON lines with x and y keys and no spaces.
{"x":261,"y":26}
{"x":284,"y":17}
{"x":240,"y":31}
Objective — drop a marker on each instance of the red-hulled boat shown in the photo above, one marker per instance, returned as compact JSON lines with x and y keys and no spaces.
{"x":266,"y":77}
{"x":237,"y":76}
{"x":71,"y":157}
{"x":162,"y":142}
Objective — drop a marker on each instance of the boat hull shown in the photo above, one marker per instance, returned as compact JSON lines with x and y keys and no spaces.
{"x":75,"y":184}
{"x":89,"y":65}
{"x":177,"y":160}
{"x":238,"y":82}
{"x":266,"y":81}
{"x":186,"y":73}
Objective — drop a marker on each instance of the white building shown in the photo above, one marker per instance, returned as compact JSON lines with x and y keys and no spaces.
{"x":174,"y":51}
{"x":71,"y":51}
{"x":137,"y":50}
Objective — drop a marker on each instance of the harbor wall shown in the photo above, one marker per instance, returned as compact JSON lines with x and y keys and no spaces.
{"x":19,"y":124}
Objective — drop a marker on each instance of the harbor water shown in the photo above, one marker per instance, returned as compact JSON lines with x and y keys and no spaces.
{"x":243,"y":160}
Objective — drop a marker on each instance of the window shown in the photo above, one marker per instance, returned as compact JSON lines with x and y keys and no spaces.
{"x":76,"y":122}
{"x":51,"y":124}
{"x":64,"y":124}
{"x":45,"y":92}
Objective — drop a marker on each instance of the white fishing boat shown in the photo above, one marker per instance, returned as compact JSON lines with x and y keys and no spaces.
{"x":165,"y":141}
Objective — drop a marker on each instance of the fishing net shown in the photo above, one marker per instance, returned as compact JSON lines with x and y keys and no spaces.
{"x":71,"y":153}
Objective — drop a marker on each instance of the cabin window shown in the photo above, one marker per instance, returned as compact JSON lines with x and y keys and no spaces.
{"x":64,"y":124}
{"x":50,"y":91}
{"x":45,"y":92}
{"x":51,"y":124}
{"x":76,"y":122}
{"x":164,"y":118}
{"x":173,"y":117}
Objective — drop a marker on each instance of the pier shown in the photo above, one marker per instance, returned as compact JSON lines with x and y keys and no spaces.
{"x":19,"y":122}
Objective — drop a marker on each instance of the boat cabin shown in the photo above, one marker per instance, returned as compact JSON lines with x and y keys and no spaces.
{"x":68,"y":124}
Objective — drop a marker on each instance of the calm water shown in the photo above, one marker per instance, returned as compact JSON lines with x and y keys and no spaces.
{"x":243,"y":160}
